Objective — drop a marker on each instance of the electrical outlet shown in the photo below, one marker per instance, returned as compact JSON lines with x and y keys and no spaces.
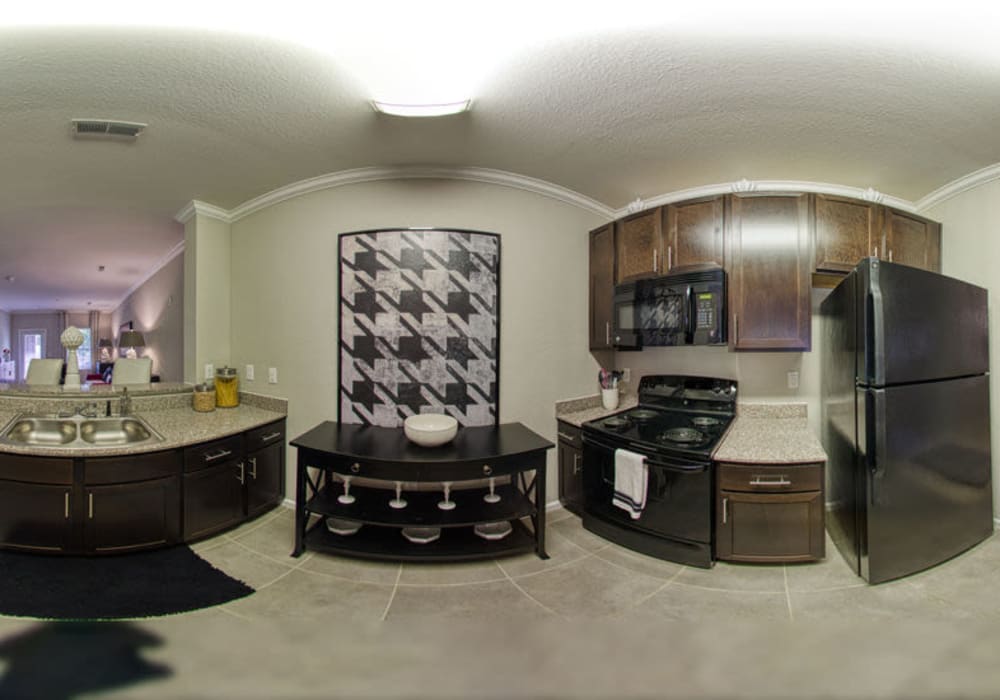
{"x":272,"y":375}
{"x":793,"y":380}
{"x":209,"y":370}
{"x":249,"y":373}
{"x":626,"y":374}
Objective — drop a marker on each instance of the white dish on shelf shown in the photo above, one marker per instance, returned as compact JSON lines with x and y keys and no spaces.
{"x":421,"y":535}
{"x":430,"y":429}
{"x":340,"y":526}
{"x":494,"y":531}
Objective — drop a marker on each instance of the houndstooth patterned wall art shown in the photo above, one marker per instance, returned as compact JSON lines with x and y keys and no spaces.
{"x":419,"y":326}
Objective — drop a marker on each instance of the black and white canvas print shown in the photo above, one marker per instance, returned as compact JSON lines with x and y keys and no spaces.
{"x":419,"y":326}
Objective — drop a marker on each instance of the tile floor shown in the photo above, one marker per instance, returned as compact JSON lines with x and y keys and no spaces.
{"x":595,"y":620}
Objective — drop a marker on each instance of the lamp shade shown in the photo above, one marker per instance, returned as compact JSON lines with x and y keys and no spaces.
{"x":131,"y":339}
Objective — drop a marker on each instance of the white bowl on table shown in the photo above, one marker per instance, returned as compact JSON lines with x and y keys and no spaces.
{"x":430,"y":429}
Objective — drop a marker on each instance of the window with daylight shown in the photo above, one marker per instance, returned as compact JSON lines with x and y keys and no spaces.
{"x":84,"y":353}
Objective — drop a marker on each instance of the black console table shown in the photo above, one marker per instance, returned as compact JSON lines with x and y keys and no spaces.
{"x":509,"y":451}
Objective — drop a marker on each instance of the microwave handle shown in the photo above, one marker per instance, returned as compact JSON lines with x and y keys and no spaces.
{"x":692,"y":317}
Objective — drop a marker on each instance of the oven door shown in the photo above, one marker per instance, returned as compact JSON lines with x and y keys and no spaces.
{"x":678,"y":494}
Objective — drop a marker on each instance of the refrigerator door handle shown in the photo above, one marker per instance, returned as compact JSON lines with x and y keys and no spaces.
{"x":875,"y":352}
{"x":876,"y":448}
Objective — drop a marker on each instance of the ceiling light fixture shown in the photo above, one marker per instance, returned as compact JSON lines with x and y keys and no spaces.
{"x":10,"y":278}
{"x":422,"y":110}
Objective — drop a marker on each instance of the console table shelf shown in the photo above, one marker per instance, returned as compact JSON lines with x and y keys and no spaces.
{"x":510,"y":453}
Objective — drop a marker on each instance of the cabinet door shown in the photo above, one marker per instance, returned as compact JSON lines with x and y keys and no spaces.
{"x":771,"y":527}
{"x":213,"y":499}
{"x":912,"y":240}
{"x":694,"y":234}
{"x":125,"y":517}
{"x":36,"y":517}
{"x":638,"y":246}
{"x":265,"y":478}
{"x":769,"y":280}
{"x":846,"y":230}
{"x":602,"y":286}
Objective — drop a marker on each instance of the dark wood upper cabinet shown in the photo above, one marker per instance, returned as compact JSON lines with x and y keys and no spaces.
{"x":694,"y":233}
{"x":912,"y":240}
{"x":769,"y":271}
{"x":846,"y":230}
{"x":638,"y":246}
{"x":602,"y":285}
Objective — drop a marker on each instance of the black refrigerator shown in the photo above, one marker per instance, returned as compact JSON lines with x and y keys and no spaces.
{"x":906,"y":418}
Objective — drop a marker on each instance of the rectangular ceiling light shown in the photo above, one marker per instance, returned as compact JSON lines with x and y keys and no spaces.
{"x":426,"y":110}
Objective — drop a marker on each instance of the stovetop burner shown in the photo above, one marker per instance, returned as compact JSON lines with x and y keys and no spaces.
{"x":683,"y":435}
{"x":704,"y":421}
{"x":641,"y":414}
{"x":615,"y":423}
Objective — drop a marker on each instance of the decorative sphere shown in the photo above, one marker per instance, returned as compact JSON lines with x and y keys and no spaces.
{"x":71,"y":338}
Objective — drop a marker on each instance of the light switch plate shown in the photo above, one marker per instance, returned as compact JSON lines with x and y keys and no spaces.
{"x":249,"y":373}
{"x":793,"y":380}
{"x":272,"y":375}
{"x":626,"y":374}
{"x":209,"y":370}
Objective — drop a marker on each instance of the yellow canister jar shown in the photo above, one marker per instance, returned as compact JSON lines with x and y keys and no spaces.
{"x":227,"y":387}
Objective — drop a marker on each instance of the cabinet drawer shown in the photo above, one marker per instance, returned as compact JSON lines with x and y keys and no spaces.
{"x":36,"y":470}
{"x":771,"y":478}
{"x":140,"y":467}
{"x":265,"y":435}
{"x":210,"y":454}
{"x":570,"y":434}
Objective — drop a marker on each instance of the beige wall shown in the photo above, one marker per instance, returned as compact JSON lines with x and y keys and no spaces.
{"x":207,"y":292}
{"x":285,"y":292}
{"x":157,"y":310}
{"x":970,"y":250}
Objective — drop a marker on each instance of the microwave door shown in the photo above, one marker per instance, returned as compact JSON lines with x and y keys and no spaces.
{"x":663,"y":317}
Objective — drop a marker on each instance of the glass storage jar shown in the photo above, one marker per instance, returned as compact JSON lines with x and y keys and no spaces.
{"x":227,"y":387}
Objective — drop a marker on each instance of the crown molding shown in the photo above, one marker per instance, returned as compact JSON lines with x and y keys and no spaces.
{"x":744,"y":185}
{"x":957,"y":187}
{"x":202,"y":209}
{"x":360,"y":175}
{"x":160,"y":264}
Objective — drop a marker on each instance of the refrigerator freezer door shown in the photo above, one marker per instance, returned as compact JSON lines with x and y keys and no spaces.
{"x":918,"y":326}
{"x":928,"y":493}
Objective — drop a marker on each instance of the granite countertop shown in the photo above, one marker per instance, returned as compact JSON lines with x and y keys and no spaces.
{"x":179,"y":427}
{"x":92,"y":392}
{"x":770,"y":433}
{"x":761,"y":433}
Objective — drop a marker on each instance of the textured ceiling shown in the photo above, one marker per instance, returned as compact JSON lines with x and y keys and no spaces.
{"x":613,"y":116}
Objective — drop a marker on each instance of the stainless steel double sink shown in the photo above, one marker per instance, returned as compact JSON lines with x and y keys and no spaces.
{"x":78,"y":431}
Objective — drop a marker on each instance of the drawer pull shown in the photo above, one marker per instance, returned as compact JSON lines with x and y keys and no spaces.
{"x":90,"y":505}
{"x":764,"y":481}
{"x":66,"y":505}
{"x":564,"y":436}
{"x":242,"y":476}
{"x":253,"y":468}
{"x":725,"y":510}
{"x":217,"y":455}
{"x":576,"y":464}
{"x":270,"y":437}
{"x":355,"y":467}
{"x":487,"y":469}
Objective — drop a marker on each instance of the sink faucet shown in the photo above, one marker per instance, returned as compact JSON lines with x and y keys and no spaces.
{"x":125,"y":403}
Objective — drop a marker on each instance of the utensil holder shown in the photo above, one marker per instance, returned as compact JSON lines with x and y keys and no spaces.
{"x":609,"y":398}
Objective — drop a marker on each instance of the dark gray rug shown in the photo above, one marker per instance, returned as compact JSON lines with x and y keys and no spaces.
{"x":145,"y":584}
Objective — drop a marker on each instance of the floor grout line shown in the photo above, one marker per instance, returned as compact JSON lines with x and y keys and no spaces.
{"x":660,"y":588}
{"x":392,"y":595}
{"x":788,"y":594}
{"x":528,"y":595}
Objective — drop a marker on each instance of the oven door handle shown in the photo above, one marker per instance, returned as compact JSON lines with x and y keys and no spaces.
{"x":658,"y":462}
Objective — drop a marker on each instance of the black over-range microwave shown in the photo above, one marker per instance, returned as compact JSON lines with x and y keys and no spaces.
{"x":680,"y":309}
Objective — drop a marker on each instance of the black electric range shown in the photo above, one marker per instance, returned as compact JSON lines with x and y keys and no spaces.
{"x":678,"y":423}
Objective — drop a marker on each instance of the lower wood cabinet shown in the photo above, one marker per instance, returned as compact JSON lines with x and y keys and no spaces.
{"x":570,"y":467}
{"x":770,"y":513}
{"x":111,"y":505}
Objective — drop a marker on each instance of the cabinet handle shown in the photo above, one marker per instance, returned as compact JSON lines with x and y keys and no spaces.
{"x":670,"y":258}
{"x":253,"y":468}
{"x":270,"y":437}
{"x":90,"y":505}
{"x":654,"y":260}
{"x":607,"y":333}
{"x":242,"y":476}
{"x":576,"y":464}
{"x":564,"y":436}
{"x":725,"y":510}
{"x":876,"y":251}
{"x":355,"y":467}
{"x":890,"y":254}
{"x":736,"y":328}
{"x":66,"y":505}
{"x":217,"y":455}
{"x":763,"y":481}
{"x":487,"y":469}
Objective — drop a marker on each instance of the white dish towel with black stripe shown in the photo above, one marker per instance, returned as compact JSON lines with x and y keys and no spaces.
{"x":631,"y":476}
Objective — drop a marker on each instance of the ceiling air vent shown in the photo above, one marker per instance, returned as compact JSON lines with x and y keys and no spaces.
{"x":106,"y":128}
